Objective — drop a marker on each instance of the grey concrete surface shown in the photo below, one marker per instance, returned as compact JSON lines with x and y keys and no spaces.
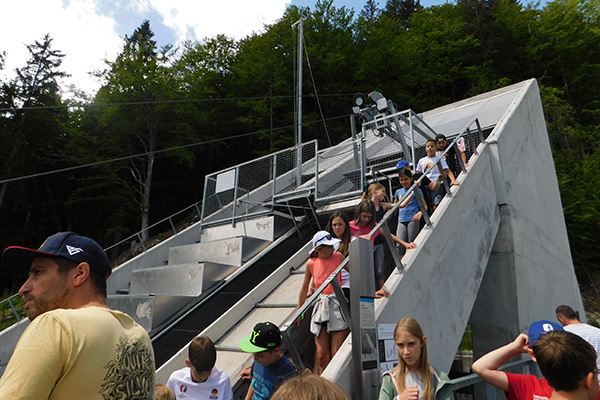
{"x":138,"y":307}
{"x":232,"y":251}
{"x":9,"y":338}
{"x":172,"y":280}
{"x":156,"y":256}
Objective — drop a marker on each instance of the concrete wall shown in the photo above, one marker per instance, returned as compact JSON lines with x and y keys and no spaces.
{"x":9,"y":338}
{"x":498,"y":253}
{"x":530,"y":271}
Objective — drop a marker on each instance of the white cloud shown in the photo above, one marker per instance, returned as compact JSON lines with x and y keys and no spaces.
{"x":86,"y":31}
{"x":79,"y":32}
{"x":234,"y":18}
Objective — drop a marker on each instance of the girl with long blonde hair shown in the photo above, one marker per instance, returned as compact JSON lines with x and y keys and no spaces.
{"x":414,"y":378}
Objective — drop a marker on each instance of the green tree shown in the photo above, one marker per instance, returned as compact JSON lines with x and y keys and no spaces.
{"x":567,"y":54}
{"x":204,"y":73}
{"x":402,"y":10}
{"x":140,"y":75}
{"x":332,"y":51}
{"x":370,"y":11}
{"x":36,"y":85}
{"x":263,"y":80}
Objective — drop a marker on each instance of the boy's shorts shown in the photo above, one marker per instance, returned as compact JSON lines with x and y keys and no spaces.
{"x":327,"y":310}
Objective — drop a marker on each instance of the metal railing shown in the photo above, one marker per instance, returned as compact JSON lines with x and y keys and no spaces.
{"x":9,"y":313}
{"x":250,"y":189}
{"x":171,"y":220}
{"x":472,"y":387}
{"x":287,"y":329}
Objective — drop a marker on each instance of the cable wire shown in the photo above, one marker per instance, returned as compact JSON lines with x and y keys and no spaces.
{"x":135,"y":103}
{"x":94,"y":164}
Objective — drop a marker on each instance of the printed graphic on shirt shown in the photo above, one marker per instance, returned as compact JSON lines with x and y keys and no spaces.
{"x":262,"y":387}
{"x":214,"y":394}
{"x":129,"y":374}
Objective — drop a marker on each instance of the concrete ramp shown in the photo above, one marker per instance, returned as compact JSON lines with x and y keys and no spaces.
{"x":497,"y":253}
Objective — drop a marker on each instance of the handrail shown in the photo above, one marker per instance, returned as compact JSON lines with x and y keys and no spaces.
{"x":332,"y":279}
{"x":417,"y":183}
{"x":473,"y":379}
{"x":287,"y":329}
{"x":138,"y":234}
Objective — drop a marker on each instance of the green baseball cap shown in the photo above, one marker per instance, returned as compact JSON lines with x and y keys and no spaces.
{"x":264,"y":336}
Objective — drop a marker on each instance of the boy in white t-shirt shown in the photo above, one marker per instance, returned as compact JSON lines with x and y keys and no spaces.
{"x":435,"y":174}
{"x":201,"y":379}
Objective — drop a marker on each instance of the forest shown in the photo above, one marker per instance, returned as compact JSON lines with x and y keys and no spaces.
{"x":111,"y":164}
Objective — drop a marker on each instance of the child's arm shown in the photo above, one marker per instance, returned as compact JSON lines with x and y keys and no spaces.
{"x":433,"y":186}
{"x":408,"y":246}
{"x":487,"y":366}
{"x":405,"y":202}
{"x":304,"y":289}
{"x":387,"y":206}
{"x":250,"y":393}
{"x":418,"y":215}
{"x":450,"y":175}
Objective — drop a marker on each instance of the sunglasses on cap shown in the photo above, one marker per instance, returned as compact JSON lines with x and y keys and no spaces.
{"x":321,"y":240}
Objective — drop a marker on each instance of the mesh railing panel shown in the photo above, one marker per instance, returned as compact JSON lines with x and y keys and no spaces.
{"x":339,"y":172}
{"x":248,"y":188}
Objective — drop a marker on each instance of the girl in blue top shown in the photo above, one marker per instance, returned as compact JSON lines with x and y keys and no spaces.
{"x":409,"y":217}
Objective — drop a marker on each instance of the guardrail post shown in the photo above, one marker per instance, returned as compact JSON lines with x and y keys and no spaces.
{"x":412,"y":140}
{"x":235,"y":194}
{"x":479,"y":131}
{"x":407,"y":155}
{"x":199,"y":212}
{"x":289,"y":343}
{"x":274,"y":182}
{"x":365,"y":353}
{"x":172,"y":226}
{"x":422,"y":207}
{"x":392,"y":246}
{"x":203,"y":203}
{"x":363,"y":160}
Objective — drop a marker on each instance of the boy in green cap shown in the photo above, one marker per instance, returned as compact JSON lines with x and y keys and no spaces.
{"x":270,"y":368}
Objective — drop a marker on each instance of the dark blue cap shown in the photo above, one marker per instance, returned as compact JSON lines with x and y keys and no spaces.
{"x":67,"y":245}
{"x":539,"y":328}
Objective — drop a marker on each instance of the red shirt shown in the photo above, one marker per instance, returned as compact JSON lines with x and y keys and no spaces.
{"x":528,"y":387}
{"x":357,"y":231}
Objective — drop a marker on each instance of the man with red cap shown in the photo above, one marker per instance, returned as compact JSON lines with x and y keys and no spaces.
{"x":75,"y":347}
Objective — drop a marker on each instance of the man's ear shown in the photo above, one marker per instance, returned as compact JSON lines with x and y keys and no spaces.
{"x":188,"y":363}
{"x":81,"y":273}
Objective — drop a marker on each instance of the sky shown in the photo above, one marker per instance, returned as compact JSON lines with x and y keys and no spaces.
{"x":91,"y":31}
